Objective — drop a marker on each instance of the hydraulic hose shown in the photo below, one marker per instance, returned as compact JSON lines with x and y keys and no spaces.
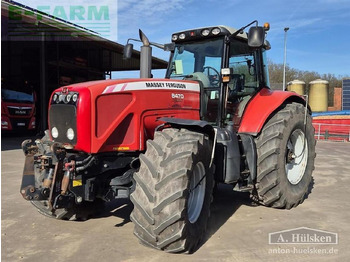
{"x":82,"y":168}
{"x":83,"y":162}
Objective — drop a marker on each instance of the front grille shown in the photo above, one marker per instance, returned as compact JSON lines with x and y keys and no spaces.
{"x":19,"y":124}
{"x":63,"y":117}
{"x":19,"y":111}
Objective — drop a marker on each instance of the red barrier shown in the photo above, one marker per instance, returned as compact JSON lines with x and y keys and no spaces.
{"x":332,"y":129}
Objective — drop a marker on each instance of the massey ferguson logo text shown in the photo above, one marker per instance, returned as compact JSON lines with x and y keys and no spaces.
{"x":169,"y":85}
{"x":303,"y":235}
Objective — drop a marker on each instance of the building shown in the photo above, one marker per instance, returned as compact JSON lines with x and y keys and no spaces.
{"x":346,"y":94}
{"x":43,"y":52}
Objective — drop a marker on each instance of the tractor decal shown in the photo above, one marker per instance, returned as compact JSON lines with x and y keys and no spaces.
{"x":151,"y":85}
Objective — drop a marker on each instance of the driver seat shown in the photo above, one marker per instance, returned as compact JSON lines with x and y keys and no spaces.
{"x":199,"y":76}
{"x":203,"y":81}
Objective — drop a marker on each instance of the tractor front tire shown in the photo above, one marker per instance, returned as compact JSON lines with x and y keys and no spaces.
{"x":286,"y":153}
{"x":173,"y":191}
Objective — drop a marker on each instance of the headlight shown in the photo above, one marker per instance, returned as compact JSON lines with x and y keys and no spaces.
{"x":182,"y":36}
{"x":174,"y":37}
{"x":216,"y":31}
{"x":75,"y":98}
{"x":54,"y":132}
{"x":205,"y":32}
{"x":60,"y":98}
{"x":55,"y":97}
{"x":70,"y":134}
{"x":68,"y":98}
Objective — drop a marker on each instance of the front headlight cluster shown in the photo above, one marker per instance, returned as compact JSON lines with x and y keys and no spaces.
{"x":65,"y":98}
{"x":196,"y":33}
{"x":69,"y":134}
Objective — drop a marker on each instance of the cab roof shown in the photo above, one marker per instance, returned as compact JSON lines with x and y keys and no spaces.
{"x":213,"y":31}
{"x":197,"y":33}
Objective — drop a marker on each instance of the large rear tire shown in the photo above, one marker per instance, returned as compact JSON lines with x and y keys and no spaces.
{"x":286,"y":153}
{"x":173,"y":191}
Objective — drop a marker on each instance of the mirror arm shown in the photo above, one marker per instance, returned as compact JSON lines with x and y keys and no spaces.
{"x":239,"y":31}
{"x":157,"y":45}
{"x":133,"y":39}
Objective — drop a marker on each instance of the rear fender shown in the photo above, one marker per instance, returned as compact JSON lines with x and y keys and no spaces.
{"x":261,"y":106}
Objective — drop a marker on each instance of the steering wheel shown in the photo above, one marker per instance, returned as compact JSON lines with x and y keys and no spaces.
{"x":215,"y":78}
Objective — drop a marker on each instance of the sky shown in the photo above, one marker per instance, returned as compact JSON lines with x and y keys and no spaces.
{"x":318,"y":39}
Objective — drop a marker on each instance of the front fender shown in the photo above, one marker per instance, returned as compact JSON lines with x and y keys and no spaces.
{"x":261,"y":106}
{"x":195,"y":125}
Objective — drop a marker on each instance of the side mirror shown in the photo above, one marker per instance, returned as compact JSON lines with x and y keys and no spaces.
{"x":169,"y":47}
{"x":128,"y":48}
{"x":256,"y":36}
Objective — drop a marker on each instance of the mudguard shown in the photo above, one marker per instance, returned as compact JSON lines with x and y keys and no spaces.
{"x":227,"y":156}
{"x":261,"y":106}
{"x":195,"y":125}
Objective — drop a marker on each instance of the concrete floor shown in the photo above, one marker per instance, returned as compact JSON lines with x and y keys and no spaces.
{"x":238,"y":231}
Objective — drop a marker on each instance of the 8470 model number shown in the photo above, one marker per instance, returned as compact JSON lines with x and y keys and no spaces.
{"x":177,"y":96}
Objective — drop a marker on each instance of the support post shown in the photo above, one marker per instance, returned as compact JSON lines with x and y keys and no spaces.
{"x":43,"y":86}
{"x":285,"y":58}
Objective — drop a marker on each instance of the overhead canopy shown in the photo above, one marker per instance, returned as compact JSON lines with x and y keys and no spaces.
{"x":45,"y":52}
{"x":25,"y":23}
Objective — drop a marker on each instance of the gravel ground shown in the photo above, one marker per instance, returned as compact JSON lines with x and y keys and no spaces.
{"x":238,"y":230}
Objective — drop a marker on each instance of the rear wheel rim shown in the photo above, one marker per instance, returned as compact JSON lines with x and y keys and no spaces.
{"x":197,"y":193}
{"x":296,"y":156}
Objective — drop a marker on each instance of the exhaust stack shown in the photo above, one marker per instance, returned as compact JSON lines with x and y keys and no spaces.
{"x":146,"y":56}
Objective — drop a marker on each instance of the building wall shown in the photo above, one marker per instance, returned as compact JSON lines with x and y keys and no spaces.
{"x":346,"y":94}
{"x":337,"y":104}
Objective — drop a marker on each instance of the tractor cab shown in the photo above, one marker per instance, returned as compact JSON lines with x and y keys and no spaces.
{"x":228,"y":63}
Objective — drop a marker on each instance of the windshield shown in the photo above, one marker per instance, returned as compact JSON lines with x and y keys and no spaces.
{"x":16,"y":96}
{"x":198,"y":61}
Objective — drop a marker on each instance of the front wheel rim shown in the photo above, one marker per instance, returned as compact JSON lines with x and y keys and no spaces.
{"x":197,"y":193}
{"x":296,"y":156}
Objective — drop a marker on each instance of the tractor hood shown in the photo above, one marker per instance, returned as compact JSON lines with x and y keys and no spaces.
{"x":117,"y":115}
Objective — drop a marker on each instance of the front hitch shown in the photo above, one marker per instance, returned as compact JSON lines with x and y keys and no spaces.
{"x":28,"y":148}
{"x":50,"y":163}
{"x":28,"y":190}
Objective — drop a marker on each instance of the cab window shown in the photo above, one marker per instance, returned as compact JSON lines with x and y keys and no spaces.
{"x":243,"y":64}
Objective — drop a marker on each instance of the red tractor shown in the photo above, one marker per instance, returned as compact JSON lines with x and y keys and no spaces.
{"x":166,"y":143}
